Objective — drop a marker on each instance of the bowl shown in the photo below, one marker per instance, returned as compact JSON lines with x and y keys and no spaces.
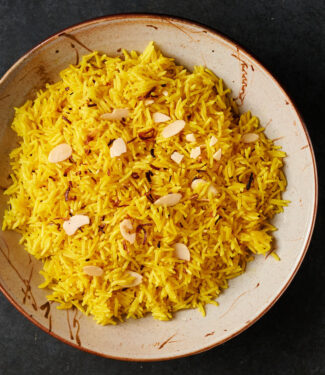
{"x":250,"y":295}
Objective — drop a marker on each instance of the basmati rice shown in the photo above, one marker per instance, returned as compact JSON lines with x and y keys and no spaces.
{"x":222,"y":222}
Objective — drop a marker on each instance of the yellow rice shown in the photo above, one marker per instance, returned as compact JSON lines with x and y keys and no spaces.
{"x":222,"y":232}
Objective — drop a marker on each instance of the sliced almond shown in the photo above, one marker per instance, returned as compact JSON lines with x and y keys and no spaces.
{"x":213,"y":141}
{"x":212,"y":189}
{"x":249,"y":137}
{"x":117,"y":114}
{"x":182,"y":252}
{"x":197,"y":182}
{"x":136,"y":281}
{"x":168,"y":200}
{"x":148,"y":101}
{"x":160,"y":117}
{"x":190,"y":137}
{"x":60,"y":153}
{"x":217,"y":154}
{"x":165,"y":93}
{"x":126,"y":229}
{"x":173,"y":128}
{"x":195,"y":152}
{"x":93,"y":271}
{"x":74,"y":223}
{"x":118,"y":148}
{"x":177,"y":157}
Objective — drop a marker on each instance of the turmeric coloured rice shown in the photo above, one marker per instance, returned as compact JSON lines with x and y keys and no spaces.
{"x":140,"y":186}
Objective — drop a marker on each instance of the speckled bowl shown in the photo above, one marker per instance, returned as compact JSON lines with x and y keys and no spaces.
{"x":250,"y":295}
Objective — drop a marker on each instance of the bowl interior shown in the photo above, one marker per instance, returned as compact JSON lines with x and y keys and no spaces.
{"x":250,"y":294}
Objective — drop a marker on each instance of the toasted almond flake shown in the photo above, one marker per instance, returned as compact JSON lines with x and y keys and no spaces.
{"x":93,"y":271}
{"x":190,"y":137}
{"x":213,"y":141}
{"x":168,"y":200}
{"x":117,"y":114}
{"x":212,"y":189}
{"x":182,"y":252}
{"x":137,"y":279}
{"x":217,"y":154}
{"x":148,"y":101}
{"x":118,"y":148}
{"x":195,"y":152}
{"x":165,"y":93}
{"x":197,"y":182}
{"x":126,"y":229}
{"x":160,"y":117}
{"x":173,"y":128}
{"x":177,"y":157}
{"x":249,"y":137}
{"x":74,"y":223}
{"x":60,"y":153}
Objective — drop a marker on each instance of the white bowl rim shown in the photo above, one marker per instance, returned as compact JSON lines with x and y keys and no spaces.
{"x":153,"y":16}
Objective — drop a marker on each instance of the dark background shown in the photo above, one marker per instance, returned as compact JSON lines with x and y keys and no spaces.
{"x":288,"y":38}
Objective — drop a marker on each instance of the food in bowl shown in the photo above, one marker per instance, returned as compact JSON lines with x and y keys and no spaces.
{"x":140,"y":186}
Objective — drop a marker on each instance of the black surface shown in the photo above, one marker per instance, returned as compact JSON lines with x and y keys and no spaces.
{"x":288,"y":37}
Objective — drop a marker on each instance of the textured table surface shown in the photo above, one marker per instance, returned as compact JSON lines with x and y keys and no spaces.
{"x":288,"y":37}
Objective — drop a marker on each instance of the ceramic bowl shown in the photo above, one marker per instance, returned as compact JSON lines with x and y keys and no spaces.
{"x":250,"y":295}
